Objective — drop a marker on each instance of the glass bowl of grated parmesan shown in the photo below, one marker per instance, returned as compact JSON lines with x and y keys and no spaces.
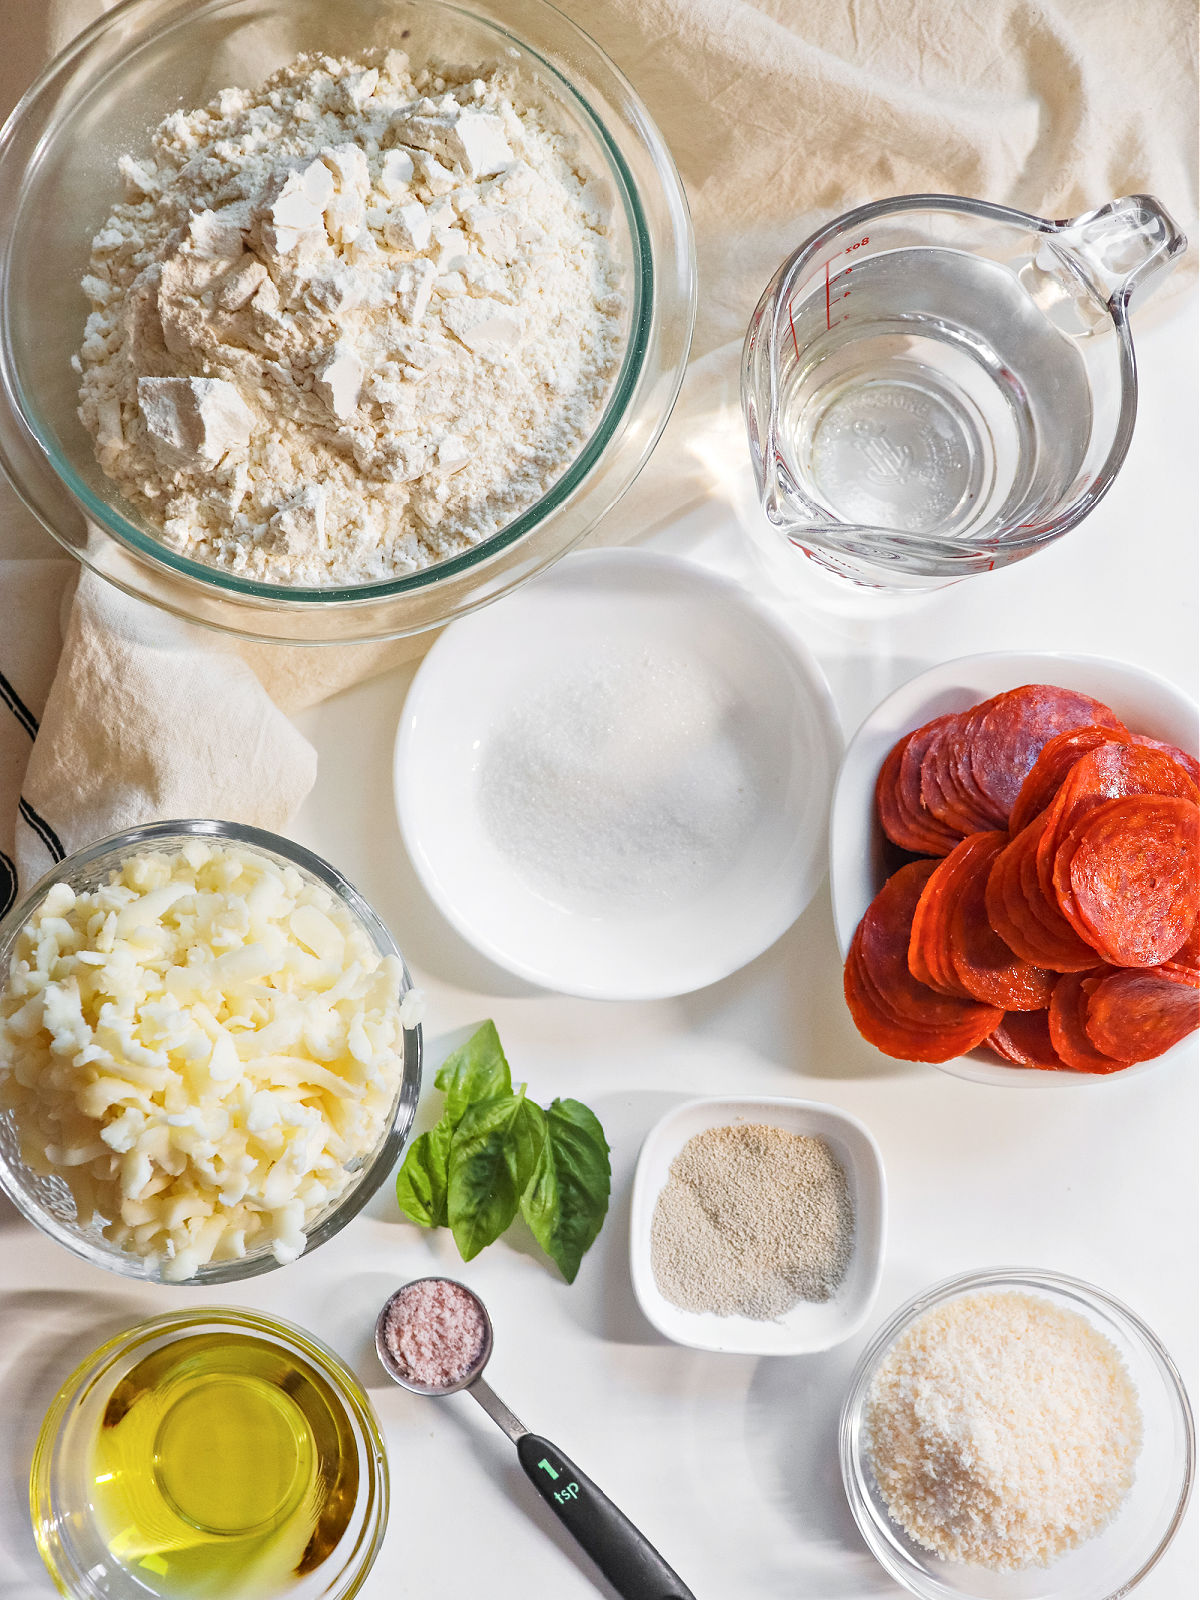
{"x":210,"y":1052}
{"x":1016,"y":1434}
{"x":390,"y":301}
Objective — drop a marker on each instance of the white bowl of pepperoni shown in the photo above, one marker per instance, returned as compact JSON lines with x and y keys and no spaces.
{"x":1067,"y":942}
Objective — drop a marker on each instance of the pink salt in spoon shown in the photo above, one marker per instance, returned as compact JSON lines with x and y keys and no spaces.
{"x":434,"y":1337}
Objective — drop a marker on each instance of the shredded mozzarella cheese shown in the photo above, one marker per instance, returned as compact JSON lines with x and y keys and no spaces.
{"x":205,"y":1050}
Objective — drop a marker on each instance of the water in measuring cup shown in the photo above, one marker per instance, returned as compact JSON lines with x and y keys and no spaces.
{"x":924,"y":391}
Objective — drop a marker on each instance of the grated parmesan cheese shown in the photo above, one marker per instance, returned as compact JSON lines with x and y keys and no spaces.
{"x":204,"y":1050}
{"x":1002,"y":1430}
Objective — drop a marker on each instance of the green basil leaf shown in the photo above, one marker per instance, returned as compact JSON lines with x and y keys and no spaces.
{"x":493,"y":1156}
{"x":422,"y":1180}
{"x":567,"y":1199}
{"x":475,"y":1071}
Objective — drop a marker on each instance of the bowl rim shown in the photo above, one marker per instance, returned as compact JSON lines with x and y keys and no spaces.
{"x":616,"y":405}
{"x":669,"y":569}
{"x":342,"y":1379}
{"x":848,"y":792}
{"x":1037,"y":1279}
{"x":777,"y":1111}
{"x":178,"y":831}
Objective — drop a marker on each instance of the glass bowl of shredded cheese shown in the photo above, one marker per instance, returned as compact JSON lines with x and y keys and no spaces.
{"x":209,"y":1052}
{"x":1016,"y":1434}
{"x":390,"y":301}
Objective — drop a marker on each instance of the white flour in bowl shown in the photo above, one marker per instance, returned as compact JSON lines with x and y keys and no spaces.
{"x":350,"y":323}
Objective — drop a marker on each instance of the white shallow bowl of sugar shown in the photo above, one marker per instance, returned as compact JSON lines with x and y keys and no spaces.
{"x":858,"y":851}
{"x":698,"y":693}
{"x":810,"y":1325}
{"x":1109,"y":1565}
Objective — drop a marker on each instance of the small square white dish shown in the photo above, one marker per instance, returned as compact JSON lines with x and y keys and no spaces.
{"x":810,"y":1325}
{"x":858,"y":851}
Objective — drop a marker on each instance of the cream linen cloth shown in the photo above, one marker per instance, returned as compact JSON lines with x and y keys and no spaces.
{"x":780,"y":114}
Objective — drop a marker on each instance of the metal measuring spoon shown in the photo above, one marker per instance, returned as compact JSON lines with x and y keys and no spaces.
{"x":626,"y":1557}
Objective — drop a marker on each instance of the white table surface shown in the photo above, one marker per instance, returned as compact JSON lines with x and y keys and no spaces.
{"x":728,"y":1463}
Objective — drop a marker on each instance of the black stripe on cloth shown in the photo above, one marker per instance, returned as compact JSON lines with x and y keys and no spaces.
{"x":8,"y":884}
{"x":18,"y":707}
{"x":43,"y":830}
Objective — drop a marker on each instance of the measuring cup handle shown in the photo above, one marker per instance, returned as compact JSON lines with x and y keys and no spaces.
{"x":1124,"y":246}
{"x":626,"y":1557}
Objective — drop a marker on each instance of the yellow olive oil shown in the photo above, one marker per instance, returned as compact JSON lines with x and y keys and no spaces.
{"x":224,"y":1468}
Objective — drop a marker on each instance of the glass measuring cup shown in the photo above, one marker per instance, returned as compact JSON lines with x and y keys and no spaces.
{"x":936,"y":386}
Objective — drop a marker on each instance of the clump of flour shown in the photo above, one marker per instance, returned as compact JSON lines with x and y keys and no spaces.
{"x":350,"y":323}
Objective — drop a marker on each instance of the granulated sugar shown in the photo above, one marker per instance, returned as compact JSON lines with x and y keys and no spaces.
{"x":435,"y":1331}
{"x":623,"y":786}
{"x":1002,"y":1430}
{"x":752,"y":1219}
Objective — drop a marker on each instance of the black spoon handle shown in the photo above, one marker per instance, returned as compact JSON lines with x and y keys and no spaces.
{"x":626,"y":1557}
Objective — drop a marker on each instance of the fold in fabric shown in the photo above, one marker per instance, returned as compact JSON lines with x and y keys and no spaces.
{"x":147,"y":719}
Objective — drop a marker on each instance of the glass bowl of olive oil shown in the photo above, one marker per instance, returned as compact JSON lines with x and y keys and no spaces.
{"x":210,"y":1455}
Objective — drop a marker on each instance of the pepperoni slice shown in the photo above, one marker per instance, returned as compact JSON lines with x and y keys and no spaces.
{"x":1019,"y":912}
{"x":1054,"y":761}
{"x":1007,"y":909}
{"x":890,"y":1008}
{"x":938,"y":840}
{"x":1188,"y":954}
{"x":983,"y":963}
{"x":929,"y":941}
{"x":1189,"y":763}
{"x":920,"y":933}
{"x":878,"y":1023}
{"x":1137,"y":1015}
{"x":902,"y":814}
{"x":943,"y":794}
{"x":1127,"y":877}
{"x":964,"y":769}
{"x":885,"y":789}
{"x":897,"y":1016}
{"x":888,"y":924}
{"x":1109,"y":772}
{"x":1010,"y":731}
{"x":1070,"y":953}
{"x":1024,"y":1039}
{"x":1068,"y":1023}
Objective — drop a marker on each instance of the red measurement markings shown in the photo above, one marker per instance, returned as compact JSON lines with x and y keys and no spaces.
{"x":833,"y":295}
{"x":792,"y":326}
{"x":845,"y":294}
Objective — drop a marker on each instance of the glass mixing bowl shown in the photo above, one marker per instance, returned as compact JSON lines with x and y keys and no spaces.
{"x":48,"y":1203}
{"x":103,"y":96}
{"x":63,"y":1490}
{"x":1105,"y":1567}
